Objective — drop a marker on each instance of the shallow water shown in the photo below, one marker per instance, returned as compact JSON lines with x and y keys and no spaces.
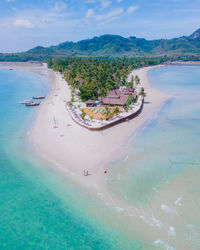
{"x":160,"y":173}
{"x":39,"y":209}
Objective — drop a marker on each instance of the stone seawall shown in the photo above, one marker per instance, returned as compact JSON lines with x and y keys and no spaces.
{"x":103,"y":127}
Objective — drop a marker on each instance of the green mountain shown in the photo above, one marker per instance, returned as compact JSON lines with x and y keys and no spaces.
{"x":118,"y":46}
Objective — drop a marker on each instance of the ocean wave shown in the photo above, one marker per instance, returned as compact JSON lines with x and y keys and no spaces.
{"x":168,"y":209}
{"x":178,"y":201}
{"x":119,"y":209}
{"x":172,"y":232}
{"x":156,"y":222}
{"x":152,"y":221}
{"x":161,"y":243}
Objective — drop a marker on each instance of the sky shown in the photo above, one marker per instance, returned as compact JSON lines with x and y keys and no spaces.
{"x":25,"y":24}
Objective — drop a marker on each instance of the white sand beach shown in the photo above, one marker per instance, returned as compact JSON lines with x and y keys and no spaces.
{"x":72,"y":148}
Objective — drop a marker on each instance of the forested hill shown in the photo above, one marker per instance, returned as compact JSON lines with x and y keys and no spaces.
{"x":118,"y":46}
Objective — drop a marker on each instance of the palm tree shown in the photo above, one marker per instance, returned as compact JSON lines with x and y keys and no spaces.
{"x":107,"y":111}
{"x":70,"y":104}
{"x":142,"y":93}
{"x":82,"y":115}
{"x":116,"y":111}
{"x":137,"y":80}
{"x":126,"y":107}
{"x":132,"y":81}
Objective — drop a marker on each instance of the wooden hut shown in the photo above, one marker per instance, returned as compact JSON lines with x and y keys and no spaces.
{"x":90,"y":103}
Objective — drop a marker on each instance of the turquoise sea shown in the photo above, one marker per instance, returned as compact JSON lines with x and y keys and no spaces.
{"x":159,"y":176}
{"x":39,"y":209}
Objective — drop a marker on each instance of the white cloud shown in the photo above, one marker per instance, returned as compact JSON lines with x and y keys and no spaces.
{"x":131,"y":9}
{"x":109,"y":17}
{"x":90,"y":13}
{"x":104,"y":18}
{"x":24,"y":23}
{"x":112,"y":14}
{"x":35,"y":18}
{"x":105,"y":3}
{"x":59,"y":6}
{"x":10,"y":1}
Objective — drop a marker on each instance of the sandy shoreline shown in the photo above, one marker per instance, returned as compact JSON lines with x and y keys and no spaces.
{"x":72,"y":148}
{"x":161,"y":223}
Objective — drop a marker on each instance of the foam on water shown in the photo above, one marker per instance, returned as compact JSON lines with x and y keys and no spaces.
{"x":178,"y":201}
{"x":168,"y":209}
{"x":160,"y":243}
{"x":156,"y":222}
{"x":172,"y":232}
{"x":119,"y":209}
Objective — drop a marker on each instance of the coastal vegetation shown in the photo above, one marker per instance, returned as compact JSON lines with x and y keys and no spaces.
{"x":97,"y":69}
{"x":93,"y":78}
{"x":101,"y":88}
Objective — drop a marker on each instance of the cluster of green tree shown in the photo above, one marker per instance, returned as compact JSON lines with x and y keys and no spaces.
{"x":45,"y":55}
{"x":94,"y":77}
{"x":22,"y":57}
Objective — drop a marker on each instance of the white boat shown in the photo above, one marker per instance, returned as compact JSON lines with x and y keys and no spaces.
{"x":25,"y":102}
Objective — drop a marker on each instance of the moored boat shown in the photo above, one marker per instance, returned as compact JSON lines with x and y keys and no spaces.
{"x":25,"y":102}
{"x":38,"y":97}
{"x":32,"y":104}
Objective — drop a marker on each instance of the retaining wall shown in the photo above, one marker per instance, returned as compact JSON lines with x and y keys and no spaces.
{"x":103,"y":127}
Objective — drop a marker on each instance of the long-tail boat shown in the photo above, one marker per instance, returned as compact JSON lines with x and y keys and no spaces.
{"x":38,"y":97}
{"x":25,"y":102}
{"x":32,"y":104}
